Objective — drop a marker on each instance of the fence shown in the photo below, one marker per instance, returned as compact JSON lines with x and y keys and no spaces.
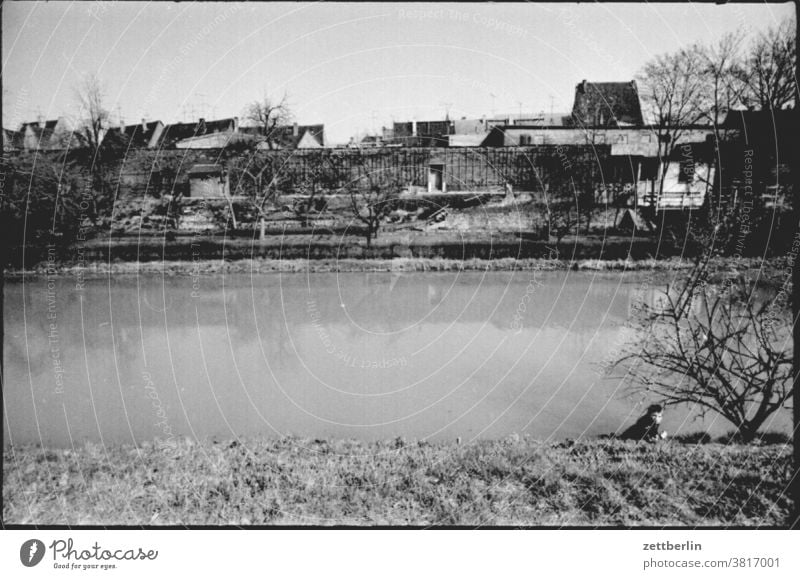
{"x":539,"y":168}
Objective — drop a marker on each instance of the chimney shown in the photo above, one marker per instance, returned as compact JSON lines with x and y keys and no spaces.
{"x":295,"y":130}
{"x":413,"y":128}
{"x":40,"y":121}
{"x":235,"y":124}
{"x":144,"y":125}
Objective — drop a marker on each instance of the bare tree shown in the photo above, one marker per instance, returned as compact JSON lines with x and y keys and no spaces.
{"x":724,"y":88}
{"x":93,"y":112}
{"x":94,"y":116}
{"x":269,"y":115}
{"x":769,"y":69}
{"x":372,"y":196}
{"x":324,"y":172}
{"x":673,"y":95}
{"x":726,"y":349}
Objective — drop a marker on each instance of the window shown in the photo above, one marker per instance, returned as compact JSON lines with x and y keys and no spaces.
{"x":525,"y":140}
{"x":649,"y":169}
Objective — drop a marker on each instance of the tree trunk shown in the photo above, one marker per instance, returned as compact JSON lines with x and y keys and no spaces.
{"x":748,"y":432}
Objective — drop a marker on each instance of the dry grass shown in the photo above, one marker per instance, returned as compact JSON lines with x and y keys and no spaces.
{"x":299,"y":482}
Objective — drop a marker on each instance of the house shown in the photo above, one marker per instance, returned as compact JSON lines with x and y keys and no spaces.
{"x":634,"y":137}
{"x":293,"y":137}
{"x":143,"y":135}
{"x":370,"y":141}
{"x":208,"y":180}
{"x":468,"y":132}
{"x":174,"y":133}
{"x":687,"y":181}
{"x":423,"y":133}
{"x":12,"y":140}
{"x":606,"y":105}
{"x":51,"y":135}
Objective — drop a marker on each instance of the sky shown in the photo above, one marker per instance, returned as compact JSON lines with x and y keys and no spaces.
{"x":352,"y":66}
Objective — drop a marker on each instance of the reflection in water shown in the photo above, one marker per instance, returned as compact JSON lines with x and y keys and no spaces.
{"x":368,"y":356}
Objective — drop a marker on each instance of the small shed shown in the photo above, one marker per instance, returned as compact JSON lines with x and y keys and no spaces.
{"x":208,"y":180}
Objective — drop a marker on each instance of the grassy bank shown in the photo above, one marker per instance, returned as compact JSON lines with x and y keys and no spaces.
{"x":445,"y":245}
{"x":100,"y":268}
{"x":299,"y":482}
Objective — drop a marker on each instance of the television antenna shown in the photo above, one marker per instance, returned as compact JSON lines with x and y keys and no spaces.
{"x":446,"y":110}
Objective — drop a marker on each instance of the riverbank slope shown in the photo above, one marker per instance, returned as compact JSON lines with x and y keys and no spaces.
{"x":291,"y":481}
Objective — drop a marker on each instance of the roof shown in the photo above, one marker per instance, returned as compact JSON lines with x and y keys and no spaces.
{"x":284,"y":137}
{"x":12,"y":139}
{"x":423,"y":128}
{"x":469,"y":127}
{"x":180,"y":131}
{"x":467,"y":140}
{"x":205,"y":169}
{"x":53,"y":135}
{"x":540,"y":119}
{"x":134,"y":135}
{"x":606,"y":104}
{"x":43,"y":132}
{"x":214,"y":141}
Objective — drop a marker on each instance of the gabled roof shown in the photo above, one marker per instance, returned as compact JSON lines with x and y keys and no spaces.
{"x":134,"y":135}
{"x":52,"y":135}
{"x":606,"y":104}
{"x":12,"y":139}
{"x":42,"y":132}
{"x":284,"y":137}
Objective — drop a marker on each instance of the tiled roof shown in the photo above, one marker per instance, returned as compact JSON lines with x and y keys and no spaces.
{"x":180,"y":131}
{"x":284,"y":137}
{"x":133,"y":134}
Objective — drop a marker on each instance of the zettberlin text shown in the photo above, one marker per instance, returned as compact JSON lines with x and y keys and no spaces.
{"x":667,"y":546}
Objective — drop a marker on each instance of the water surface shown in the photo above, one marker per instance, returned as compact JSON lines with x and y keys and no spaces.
{"x":367,"y":356}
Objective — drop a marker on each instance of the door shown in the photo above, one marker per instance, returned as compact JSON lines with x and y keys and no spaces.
{"x":436,"y":178}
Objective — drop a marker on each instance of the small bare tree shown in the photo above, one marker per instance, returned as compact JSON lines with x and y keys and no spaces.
{"x":324,"y":172}
{"x":269,"y":115}
{"x":93,"y":112}
{"x":726,"y":349}
{"x":94,"y":117}
{"x":372,"y":197}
